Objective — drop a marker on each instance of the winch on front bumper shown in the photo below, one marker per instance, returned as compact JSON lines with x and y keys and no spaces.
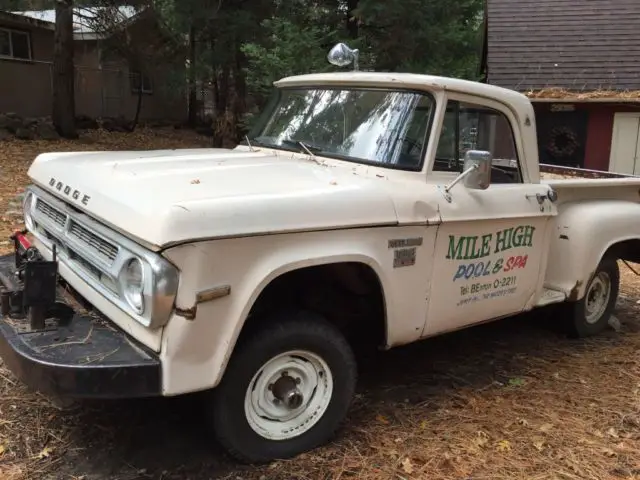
{"x":54,"y":347}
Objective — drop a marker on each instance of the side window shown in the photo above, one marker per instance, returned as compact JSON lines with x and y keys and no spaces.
{"x":412,"y":144}
{"x":468,"y":126}
{"x":447,"y":153}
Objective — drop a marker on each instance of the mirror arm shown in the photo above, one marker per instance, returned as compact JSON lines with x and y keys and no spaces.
{"x":447,"y":188}
{"x":461,"y":177}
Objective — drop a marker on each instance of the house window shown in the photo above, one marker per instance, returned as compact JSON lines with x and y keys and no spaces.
{"x":15,"y":44}
{"x":138,"y":80}
{"x":469,"y":126}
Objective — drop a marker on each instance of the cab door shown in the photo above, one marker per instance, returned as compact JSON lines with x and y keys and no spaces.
{"x":491,"y":247}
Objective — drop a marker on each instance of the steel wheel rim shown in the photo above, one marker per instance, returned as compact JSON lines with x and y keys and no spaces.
{"x":271,"y":399}
{"x":597,"y":297}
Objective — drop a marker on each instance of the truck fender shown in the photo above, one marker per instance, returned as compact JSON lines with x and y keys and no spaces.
{"x":299,"y":264}
{"x":584,"y":232}
{"x":196,"y":350}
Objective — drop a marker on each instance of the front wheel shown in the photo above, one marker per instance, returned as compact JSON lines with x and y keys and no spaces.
{"x":286,"y":390}
{"x":591,"y":314}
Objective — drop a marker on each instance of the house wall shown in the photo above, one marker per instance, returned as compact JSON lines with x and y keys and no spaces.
{"x":168,"y":76}
{"x":600,"y":133}
{"x":88,"y":79}
{"x":25,"y":86}
{"x":102,"y":85}
{"x":599,"y":129}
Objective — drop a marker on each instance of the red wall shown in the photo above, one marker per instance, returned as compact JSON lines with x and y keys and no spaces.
{"x":599,"y":135}
{"x":599,"y":130}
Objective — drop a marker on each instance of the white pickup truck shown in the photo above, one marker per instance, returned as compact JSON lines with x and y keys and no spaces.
{"x":349,"y":215}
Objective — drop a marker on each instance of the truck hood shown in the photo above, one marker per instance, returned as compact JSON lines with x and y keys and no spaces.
{"x":166,"y":197}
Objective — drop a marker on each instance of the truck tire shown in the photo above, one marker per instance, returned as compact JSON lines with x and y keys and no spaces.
{"x":590,"y":315}
{"x":286,"y":390}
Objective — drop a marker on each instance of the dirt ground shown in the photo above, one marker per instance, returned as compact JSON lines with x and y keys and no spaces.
{"x":509,"y":400}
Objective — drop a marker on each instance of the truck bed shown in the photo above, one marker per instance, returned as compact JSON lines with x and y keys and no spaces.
{"x":574,"y":184}
{"x":560,"y":172}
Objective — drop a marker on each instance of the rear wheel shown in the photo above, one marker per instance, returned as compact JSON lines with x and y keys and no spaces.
{"x":286,"y":390}
{"x":591,"y":314}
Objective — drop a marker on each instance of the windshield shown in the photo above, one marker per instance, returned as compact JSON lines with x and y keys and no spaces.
{"x":382,"y":127}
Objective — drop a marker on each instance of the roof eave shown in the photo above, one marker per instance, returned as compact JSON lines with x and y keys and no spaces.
{"x":584,"y":100}
{"x":83,"y":36}
{"x":27,"y":20}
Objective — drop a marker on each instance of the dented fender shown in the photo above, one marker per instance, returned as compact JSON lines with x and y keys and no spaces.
{"x":190,"y":312}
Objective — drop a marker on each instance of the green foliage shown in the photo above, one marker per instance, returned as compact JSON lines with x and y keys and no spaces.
{"x":243,"y":46}
{"x":289,"y":48}
{"x":437,"y":37}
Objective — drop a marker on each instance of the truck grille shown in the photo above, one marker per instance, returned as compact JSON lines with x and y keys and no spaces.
{"x":88,"y":240}
{"x":93,"y":242}
{"x":51,"y":213}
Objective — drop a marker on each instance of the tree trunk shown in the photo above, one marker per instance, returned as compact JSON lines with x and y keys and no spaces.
{"x":216,"y":139}
{"x":64,"y":109}
{"x":240,"y":90}
{"x":220,"y":119}
{"x":193,"y":99}
{"x":136,"y":118}
{"x":352,"y":22}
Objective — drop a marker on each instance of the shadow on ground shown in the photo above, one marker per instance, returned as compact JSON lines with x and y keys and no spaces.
{"x":167,"y":438}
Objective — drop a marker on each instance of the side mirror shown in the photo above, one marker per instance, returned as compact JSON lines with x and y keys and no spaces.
{"x":479,"y":162}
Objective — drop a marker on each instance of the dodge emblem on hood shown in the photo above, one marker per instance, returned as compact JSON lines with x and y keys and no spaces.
{"x":69,"y":191}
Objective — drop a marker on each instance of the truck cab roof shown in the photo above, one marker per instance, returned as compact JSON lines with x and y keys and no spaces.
{"x":517,"y":104}
{"x":412,"y":81}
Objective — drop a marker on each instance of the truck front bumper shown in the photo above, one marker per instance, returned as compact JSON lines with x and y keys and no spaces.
{"x":79,"y":355}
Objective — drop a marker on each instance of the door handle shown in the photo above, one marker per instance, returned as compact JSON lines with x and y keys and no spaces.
{"x":538,"y":196}
{"x":551,"y":195}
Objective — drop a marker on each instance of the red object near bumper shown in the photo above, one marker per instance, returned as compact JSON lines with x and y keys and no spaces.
{"x":23,"y":240}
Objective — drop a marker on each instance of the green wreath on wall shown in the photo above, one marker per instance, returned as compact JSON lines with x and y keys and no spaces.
{"x":563,"y":142}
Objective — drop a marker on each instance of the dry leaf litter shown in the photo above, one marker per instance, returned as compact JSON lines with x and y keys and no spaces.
{"x":509,"y":400}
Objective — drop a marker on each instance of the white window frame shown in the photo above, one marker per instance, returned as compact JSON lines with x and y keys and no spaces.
{"x":12,"y":31}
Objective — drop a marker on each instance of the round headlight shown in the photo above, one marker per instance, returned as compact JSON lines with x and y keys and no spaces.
{"x":132,"y":281}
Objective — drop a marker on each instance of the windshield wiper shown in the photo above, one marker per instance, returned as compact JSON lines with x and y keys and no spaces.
{"x":287,"y":143}
{"x":307,"y":149}
{"x":297,"y":143}
{"x":255,"y":141}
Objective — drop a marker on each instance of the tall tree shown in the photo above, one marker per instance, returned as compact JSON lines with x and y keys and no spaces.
{"x":193,"y":97}
{"x":64,"y":109}
{"x":242,"y":46}
{"x":352,"y":20}
{"x":438,"y":37}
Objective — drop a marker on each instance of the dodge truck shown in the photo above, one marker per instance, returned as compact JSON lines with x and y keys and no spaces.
{"x":362,"y":207}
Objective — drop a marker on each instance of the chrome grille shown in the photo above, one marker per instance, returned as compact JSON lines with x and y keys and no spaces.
{"x":51,"y":213}
{"x":97,"y":244}
{"x":92,"y":254}
{"x":62,"y":229}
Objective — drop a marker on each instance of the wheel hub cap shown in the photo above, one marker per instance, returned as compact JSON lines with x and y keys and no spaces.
{"x":598,"y":296}
{"x":288,"y":395}
{"x":286,"y":391}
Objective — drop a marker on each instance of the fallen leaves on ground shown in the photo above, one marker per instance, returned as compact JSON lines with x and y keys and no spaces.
{"x":44,"y":453}
{"x":509,"y":400}
{"x":407,"y":465}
